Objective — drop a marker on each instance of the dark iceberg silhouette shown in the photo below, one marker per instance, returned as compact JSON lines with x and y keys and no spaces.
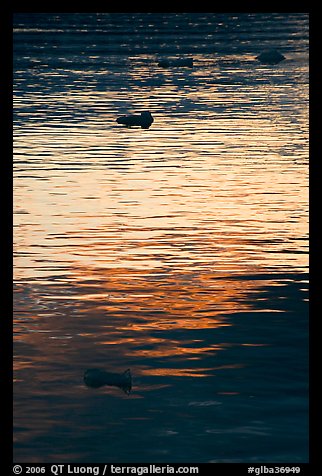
{"x":270,"y":57}
{"x":96,"y":378}
{"x":144,"y":120}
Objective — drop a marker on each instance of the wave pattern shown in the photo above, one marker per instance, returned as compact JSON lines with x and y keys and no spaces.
{"x":179,"y":251}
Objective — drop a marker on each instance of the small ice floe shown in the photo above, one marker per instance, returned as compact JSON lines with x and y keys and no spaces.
{"x":144,"y":120}
{"x":96,"y":378}
{"x":177,"y":62}
{"x":270,"y":57}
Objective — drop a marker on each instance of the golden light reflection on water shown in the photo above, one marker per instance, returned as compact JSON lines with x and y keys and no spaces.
{"x":150,"y":249}
{"x":210,"y":207}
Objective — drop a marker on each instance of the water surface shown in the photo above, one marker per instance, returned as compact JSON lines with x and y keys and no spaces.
{"x":179,"y":251}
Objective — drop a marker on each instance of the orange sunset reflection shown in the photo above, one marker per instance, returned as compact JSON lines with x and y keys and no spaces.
{"x":133,"y":313}
{"x":160,"y":272}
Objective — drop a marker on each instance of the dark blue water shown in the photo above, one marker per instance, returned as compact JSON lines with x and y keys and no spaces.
{"x":179,"y":251}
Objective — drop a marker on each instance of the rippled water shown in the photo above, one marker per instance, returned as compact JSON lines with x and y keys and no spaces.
{"x":179,"y":251}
